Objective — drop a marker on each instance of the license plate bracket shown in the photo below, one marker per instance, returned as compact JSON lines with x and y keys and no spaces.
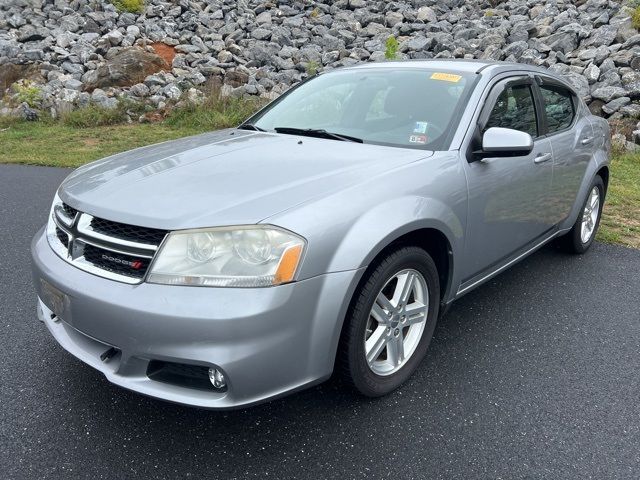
{"x":53,"y":298}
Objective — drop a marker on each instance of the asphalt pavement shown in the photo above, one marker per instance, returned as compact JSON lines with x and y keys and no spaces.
{"x":533,"y":375}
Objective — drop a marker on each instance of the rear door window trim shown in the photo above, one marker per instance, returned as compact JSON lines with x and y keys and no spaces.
{"x":552,"y":83}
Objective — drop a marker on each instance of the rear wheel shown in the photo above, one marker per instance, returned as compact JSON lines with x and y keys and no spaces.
{"x":391,"y":322}
{"x":581,"y":236}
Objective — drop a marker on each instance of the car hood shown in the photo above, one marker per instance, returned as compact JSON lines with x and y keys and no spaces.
{"x":229,"y":177}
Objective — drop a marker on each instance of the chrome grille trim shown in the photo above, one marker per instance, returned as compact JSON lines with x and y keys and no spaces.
{"x":79,"y":233}
{"x":84,"y":228}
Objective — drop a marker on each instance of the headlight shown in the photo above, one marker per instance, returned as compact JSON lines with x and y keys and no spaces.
{"x":252,"y":256}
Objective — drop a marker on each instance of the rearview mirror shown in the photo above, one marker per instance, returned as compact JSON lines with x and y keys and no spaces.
{"x":506,"y":142}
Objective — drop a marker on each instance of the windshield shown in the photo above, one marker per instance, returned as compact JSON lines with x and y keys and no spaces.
{"x":409,"y":107}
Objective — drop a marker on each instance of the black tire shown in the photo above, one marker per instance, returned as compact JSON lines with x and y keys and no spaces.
{"x":571,"y":242}
{"x":351,"y":362}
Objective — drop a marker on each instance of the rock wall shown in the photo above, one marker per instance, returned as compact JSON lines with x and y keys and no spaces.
{"x":85,"y":51}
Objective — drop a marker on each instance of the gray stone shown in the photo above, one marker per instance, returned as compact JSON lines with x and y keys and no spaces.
{"x":73,"y":84}
{"x":154,"y":80}
{"x":225,"y":56}
{"x":615,"y":105}
{"x":73,"y":68}
{"x":114,"y":37}
{"x":261,"y":34}
{"x":579,"y":82}
{"x":592,"y":73}
{"x":27,"y":113}
{"x":631,"y":83}
{"x":563,"y":41}
{"x":172,"y":92}
{"x":393,"y":18}
{"x":632,"y":110}
{"x":264,"y":18}
{"x":605,"y":35}
{"x":100,"y":98}
{"x":140,"y":90}
{"x":606,"y":94}
{"x":426,"y":14}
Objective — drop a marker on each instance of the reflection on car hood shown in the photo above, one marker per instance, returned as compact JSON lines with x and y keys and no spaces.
{"x":223,"y":178}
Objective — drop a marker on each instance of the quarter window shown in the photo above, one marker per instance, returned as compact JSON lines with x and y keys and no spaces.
{"x":558,"y":106}
{"x":515,"y":109}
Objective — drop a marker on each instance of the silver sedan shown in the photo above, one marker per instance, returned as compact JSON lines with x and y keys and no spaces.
{"x":326,"y":234}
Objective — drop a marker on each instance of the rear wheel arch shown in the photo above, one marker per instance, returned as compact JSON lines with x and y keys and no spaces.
{"x":604,"y":174}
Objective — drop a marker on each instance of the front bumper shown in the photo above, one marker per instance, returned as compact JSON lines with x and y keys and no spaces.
{"x":267,"y":341}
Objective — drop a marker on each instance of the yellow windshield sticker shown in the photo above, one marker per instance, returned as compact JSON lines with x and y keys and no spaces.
{"x":447,"y":77}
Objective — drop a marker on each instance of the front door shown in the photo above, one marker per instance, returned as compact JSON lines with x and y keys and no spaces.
{"x":508,"y":197}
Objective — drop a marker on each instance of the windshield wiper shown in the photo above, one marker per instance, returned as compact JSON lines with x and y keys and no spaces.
{"x":317,"y":132}
{"x":251,"y":126}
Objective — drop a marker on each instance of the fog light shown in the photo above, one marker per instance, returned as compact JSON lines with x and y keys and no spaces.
{"x":217,"y":378}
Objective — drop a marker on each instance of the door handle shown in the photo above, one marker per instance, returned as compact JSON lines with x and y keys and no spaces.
{"x":543,"y":157}
{"x":586,"y":140}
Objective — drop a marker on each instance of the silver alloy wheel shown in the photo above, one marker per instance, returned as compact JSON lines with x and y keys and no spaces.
{"x":590,"y":215}
{"x":396,"y":322}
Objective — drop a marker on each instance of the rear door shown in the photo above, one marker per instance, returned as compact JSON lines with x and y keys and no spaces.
{"x":571,"y":136}
{"x":508,"y":197}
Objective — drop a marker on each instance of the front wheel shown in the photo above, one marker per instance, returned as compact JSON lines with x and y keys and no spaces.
{"x":390,"y":323}
{"x":581,"y":236}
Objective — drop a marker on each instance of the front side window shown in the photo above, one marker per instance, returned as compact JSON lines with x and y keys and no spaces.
{"x":403,"y":107}
{"x":515,"y":109}
{"x":558,"y":106}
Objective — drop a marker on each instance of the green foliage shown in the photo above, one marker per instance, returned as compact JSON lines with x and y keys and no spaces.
{"x":621,"y":215}
{"x":391,"y":48}
{"x":131,"y":6}
{"x":214,"y":113}
{"x":93,"y":116}
{"x":27,"y":92}
{"x":312,"y":67}
{"x":96,"y":116}
{"x":635,"y":18}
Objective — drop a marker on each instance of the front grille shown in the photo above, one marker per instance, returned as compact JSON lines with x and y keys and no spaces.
{"x":63,"y":237}
{"x":103,"y":247}
{"x":127,"y":265}
{"x":69,"y":211}
{"x":132,"y":233}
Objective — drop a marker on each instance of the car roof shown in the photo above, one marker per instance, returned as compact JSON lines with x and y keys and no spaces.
{"x":458,"y":65}
{"x":483,"y":67}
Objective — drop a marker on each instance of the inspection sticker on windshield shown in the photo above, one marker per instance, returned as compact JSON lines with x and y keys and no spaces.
{"x":420,"y":127}
{"x":421,"y":139}
{"x":447,"y":77}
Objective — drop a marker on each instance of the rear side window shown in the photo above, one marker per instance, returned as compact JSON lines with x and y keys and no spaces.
{"x":515,"y":109}
{"x":558,"y":106}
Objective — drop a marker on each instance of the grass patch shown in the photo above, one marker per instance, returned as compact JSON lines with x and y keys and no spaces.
{"x":131,"y":6}
{"x":56,"y":144}
{"x":635,"y":18}
{"x":94,"y":116}
{"x":90,"y":133}
{"x":621,"y":216}
{"x":216,"y":112}
{"x":391,"y":48}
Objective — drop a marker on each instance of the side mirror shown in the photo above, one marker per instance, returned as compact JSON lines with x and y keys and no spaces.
{"x":506,"y":142}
